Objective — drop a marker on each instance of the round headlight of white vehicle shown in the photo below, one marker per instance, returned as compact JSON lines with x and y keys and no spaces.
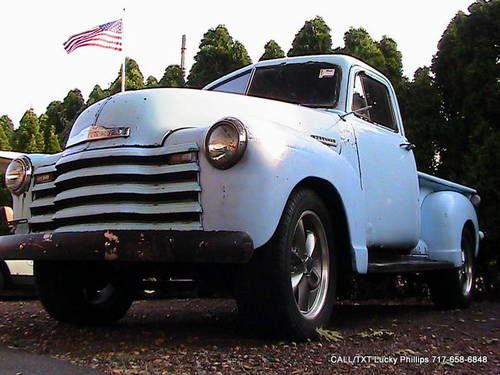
{"x":225,"y":143}
{"x":18,"y":175}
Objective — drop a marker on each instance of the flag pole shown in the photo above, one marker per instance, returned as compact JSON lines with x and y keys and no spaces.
{"x":123,"y":51}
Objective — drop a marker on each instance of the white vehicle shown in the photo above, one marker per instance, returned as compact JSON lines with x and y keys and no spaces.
{"x":277,"y":181}
{"x":13,"y":273}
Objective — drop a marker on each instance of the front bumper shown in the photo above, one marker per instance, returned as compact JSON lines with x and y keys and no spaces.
{"x":130,"y":245}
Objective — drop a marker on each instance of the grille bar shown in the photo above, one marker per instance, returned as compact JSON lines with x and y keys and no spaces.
{"x":127,"y":208}
{"x":126,"y":152}
{"x":134,"y":170}
{"x":127,"y":188}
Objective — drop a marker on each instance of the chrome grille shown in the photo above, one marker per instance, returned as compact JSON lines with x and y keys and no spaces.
{"x":121,"y":188}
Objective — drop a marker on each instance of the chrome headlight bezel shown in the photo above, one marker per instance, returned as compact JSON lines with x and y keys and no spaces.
{"x":232,"y":154}
{"x":18,"y":175}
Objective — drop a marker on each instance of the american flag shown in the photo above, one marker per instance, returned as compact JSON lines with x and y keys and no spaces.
{"x":108,"y":35}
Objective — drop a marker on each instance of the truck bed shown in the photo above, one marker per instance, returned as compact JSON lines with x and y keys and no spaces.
{"x":429,"y":183}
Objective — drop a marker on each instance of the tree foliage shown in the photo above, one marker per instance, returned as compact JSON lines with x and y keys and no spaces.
{"x":272,"y":50}
{"x":358,"y":43}
{"x":218,"y":54}
{"x":172,"y":77}
{"x":29,"y":137}
{"x":424,"y":122}
{"x":312,"y":39}
{"x":6,"y":133}
{"x":4,"y":140}
{"x":134,"y":80}
{"x":96,"y":94}
{"x":50,"y":139}
{"x":468,"y":77}
{"x":151,"y":82}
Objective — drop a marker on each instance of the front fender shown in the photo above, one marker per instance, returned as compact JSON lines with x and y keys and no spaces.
{"x":251,"y":195}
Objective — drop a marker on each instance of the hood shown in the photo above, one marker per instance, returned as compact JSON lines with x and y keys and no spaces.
{"x":145,"y":117}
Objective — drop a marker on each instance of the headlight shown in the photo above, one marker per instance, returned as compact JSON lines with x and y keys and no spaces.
{"x":18,"y":175}
{"x":226,"y":143}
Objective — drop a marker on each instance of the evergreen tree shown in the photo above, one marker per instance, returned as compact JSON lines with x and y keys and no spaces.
{"x":272,"y":50}
{"x":50,"y":138}
{"x":55,"y":116}
{"x":172,"y":77}
{"x":29,"y":137}
{"x":8,"y":129}
{"x":219,"y":54}
{"x":4,"y":140}
{"x":424,"y":123}
{"x":134,"y":80}
{"x":393,"y":62}
{"x":151,"y":82}
{"x":312,"y":39}
{"x":467,"y":74}
{"x":96,"y":95}
{"x":358,"y":43}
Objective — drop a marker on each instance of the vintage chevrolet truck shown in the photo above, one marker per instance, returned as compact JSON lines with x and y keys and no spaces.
{"x":274,"y":182}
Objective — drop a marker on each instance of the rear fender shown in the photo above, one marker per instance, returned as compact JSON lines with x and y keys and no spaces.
{"x":444,"y":215}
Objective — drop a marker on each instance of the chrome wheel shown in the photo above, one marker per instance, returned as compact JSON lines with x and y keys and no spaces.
{"x":97,"y":296}
{"x":465,"y":272}
{"x":309,"y":265}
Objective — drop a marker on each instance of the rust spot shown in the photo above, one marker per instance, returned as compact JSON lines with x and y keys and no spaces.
{"x":110,"y":253}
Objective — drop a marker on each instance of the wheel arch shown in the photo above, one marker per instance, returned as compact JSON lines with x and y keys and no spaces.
{"x":335,"y":205}
{"x":444,"y":216}
{"x":469,"y":225}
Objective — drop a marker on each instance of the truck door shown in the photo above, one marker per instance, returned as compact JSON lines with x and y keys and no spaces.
{"x":388,"y":171}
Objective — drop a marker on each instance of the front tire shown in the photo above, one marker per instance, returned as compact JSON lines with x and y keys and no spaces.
{"x":82,"y":294}
{"x":288,"y":288}
{"x":452,"y":289}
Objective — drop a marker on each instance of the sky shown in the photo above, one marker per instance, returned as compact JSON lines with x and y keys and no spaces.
{"x":35,"y":69}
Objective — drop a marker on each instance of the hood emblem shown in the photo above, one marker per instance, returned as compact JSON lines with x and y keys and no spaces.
{"x":100,"y":132}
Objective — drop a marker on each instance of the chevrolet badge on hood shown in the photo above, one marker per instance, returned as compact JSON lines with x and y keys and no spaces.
{"x":100,"y":132}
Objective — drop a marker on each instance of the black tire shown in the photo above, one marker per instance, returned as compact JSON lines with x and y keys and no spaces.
{"x":266,"y":300}
{"x":452,"y":289}
{"x":82,"y":294}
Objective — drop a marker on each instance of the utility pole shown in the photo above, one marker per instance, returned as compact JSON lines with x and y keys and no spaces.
{"x":183,"y":54}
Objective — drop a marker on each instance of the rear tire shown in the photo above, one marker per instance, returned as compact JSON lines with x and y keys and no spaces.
{"x":288,"y":288}
{"x":452,"y":289}
{"x":77,"y":294}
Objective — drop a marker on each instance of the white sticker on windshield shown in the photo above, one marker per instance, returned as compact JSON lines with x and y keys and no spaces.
{"x":326,"y":73}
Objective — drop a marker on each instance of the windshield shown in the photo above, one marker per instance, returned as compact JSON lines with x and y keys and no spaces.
{"x":312,"y":84}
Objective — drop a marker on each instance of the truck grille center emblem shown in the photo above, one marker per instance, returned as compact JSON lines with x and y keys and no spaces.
{"x":101,"y":132}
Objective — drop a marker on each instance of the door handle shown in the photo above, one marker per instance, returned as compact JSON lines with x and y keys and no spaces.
{"x":407,"y":146}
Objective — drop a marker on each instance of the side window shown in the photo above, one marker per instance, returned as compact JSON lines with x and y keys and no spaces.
{"x":370,"y":92}
{"x":236,"y":85}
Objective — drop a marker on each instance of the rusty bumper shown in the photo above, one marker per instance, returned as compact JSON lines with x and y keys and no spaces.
{"x":130,"y":245}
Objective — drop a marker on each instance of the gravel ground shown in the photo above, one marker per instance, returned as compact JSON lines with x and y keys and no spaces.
{"x":202,"y":336}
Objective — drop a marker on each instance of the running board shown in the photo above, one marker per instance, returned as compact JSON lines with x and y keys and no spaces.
{"x":407,"y":263}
